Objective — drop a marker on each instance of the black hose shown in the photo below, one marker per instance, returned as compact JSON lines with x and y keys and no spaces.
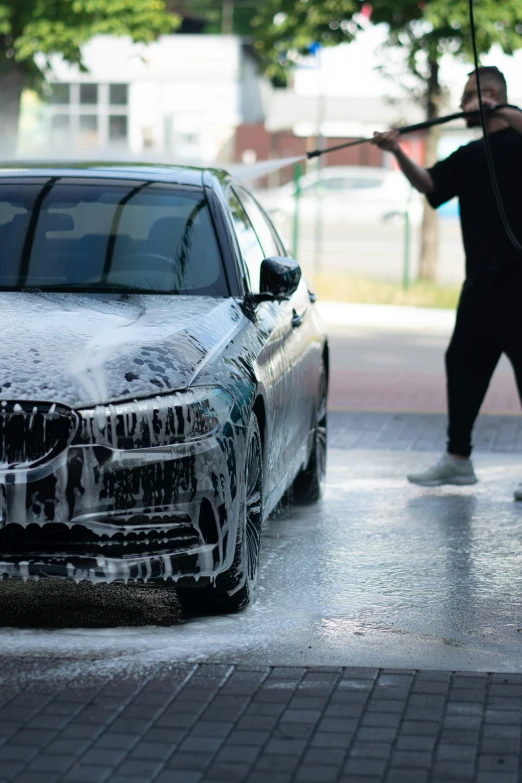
{"x":410,"y":129}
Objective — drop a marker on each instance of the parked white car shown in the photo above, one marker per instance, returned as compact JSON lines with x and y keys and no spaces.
{"x":345,"y":194}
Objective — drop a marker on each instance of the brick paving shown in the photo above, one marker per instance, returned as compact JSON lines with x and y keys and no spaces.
{"x":419,"y":432}
{"x":386,"y":390}
{"x":213,"y":723}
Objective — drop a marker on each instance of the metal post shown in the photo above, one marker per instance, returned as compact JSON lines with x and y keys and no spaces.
{"x":298,"y":170}
{"x":318,"y":239}
{"x":407,"y":244}
{"x":321,"y":113}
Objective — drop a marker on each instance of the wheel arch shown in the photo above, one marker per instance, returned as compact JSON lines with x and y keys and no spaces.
{"x":259,"y":408}
{"x":326,"y":360}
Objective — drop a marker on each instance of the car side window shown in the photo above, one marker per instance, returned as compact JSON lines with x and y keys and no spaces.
{"x":249,"y":245}
{"x":270,"y":242}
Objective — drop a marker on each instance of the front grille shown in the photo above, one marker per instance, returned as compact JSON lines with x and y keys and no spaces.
{"x":31,"y":433}
{"x":59,"y":540}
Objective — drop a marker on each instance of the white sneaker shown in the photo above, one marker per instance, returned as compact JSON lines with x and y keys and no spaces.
{"x":448,"y":470}
{"x":517,"y":494}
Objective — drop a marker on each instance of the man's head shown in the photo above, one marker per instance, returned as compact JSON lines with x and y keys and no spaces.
{"x":493,"y":89}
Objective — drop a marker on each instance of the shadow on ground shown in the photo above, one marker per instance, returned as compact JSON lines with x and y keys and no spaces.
{"x":53,"y":603}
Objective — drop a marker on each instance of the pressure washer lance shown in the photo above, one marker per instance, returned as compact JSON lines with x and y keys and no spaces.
{"x":411,"y":128}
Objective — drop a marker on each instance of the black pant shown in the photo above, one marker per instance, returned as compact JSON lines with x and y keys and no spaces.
{"x":489,"y":323}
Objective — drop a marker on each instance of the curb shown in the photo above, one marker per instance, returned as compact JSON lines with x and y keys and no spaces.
{"x":340,"y":314}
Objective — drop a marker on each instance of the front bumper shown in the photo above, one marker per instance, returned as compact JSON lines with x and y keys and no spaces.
{"x":103,"y":515}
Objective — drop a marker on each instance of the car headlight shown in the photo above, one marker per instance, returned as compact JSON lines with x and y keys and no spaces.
{"x":164,"y":420}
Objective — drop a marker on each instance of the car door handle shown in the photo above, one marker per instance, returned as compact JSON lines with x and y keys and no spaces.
{"x":297,"y":319}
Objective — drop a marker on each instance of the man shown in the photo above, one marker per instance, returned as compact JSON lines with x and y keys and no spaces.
{"x":489,"y":315}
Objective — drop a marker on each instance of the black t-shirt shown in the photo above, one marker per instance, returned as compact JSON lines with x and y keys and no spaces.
{"x":465,"y":174}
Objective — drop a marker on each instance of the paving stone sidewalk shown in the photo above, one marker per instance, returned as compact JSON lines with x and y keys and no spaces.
{"x":419,"y":432}
{"x":216,"y":724}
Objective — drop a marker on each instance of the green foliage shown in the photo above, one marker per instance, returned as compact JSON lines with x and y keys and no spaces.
{"x":429,"y":30}
{"x":285,"y":29}
{"x":237,"y":18}
{"x":242,"y":17}
{"x":28,"y":27}
{"x":421,"y":293}
{"x":426,"y":30}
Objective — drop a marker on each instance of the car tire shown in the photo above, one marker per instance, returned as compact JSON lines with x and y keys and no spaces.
{"x":309,"y":483}
{"x":235,"y":588}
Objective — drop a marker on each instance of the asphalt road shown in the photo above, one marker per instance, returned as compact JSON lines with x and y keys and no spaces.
{"x":378,"y":369}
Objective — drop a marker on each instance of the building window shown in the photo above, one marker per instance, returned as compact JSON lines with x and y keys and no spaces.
{"x":60,"y":129}
{"x":88,"y":94}
{"x":89,"y":114}
{"x":118,"y":94}
{"x":118,"y":127}
{"x":88,"y":129}
{"x":61,"y":93}
{"x":60,"y":122}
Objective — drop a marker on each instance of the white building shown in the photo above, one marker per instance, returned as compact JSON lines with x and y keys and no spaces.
{"x":183,"y":97}
{"x":179,"y":98}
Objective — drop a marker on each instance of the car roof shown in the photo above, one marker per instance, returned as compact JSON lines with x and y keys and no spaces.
{"x":179,"y":175}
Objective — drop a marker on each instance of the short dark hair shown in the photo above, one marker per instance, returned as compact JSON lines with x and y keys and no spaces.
{"x":491,"y":73}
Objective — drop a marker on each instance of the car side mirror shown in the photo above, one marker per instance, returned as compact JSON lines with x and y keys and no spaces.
{"x":280,"y":278}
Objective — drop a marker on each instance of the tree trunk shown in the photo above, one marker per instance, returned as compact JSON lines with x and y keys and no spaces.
{"x":11,"y":86}
{"x":429,"y":249}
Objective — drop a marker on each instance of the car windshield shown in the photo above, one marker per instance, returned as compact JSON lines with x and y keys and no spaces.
{"x":106,"y":235}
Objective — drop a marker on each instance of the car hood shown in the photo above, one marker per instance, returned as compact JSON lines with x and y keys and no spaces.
{"x":84,"y":350}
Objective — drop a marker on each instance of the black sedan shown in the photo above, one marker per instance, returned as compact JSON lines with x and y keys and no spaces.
{"x":163,"y":378}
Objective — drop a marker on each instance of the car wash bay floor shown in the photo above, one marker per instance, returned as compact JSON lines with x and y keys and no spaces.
{"x":385,"y":645}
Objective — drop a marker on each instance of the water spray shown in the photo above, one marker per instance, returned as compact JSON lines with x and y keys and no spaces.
{"x":264,"y":167}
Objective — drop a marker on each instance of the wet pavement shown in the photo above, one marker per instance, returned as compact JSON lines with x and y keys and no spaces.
{"x":382,"y":612}
{"x":380,"y":573}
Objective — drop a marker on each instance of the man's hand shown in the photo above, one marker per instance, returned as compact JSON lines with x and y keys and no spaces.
{"x":473,"y":104}
{"x":387,"y":141}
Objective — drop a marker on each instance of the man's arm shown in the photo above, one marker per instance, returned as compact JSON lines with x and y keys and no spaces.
{"x":419,"y":177}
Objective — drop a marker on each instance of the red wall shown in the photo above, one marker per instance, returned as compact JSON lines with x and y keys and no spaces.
{"x":284,"y":144}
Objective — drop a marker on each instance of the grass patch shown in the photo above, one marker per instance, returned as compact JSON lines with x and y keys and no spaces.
{"x":341,"y":288}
